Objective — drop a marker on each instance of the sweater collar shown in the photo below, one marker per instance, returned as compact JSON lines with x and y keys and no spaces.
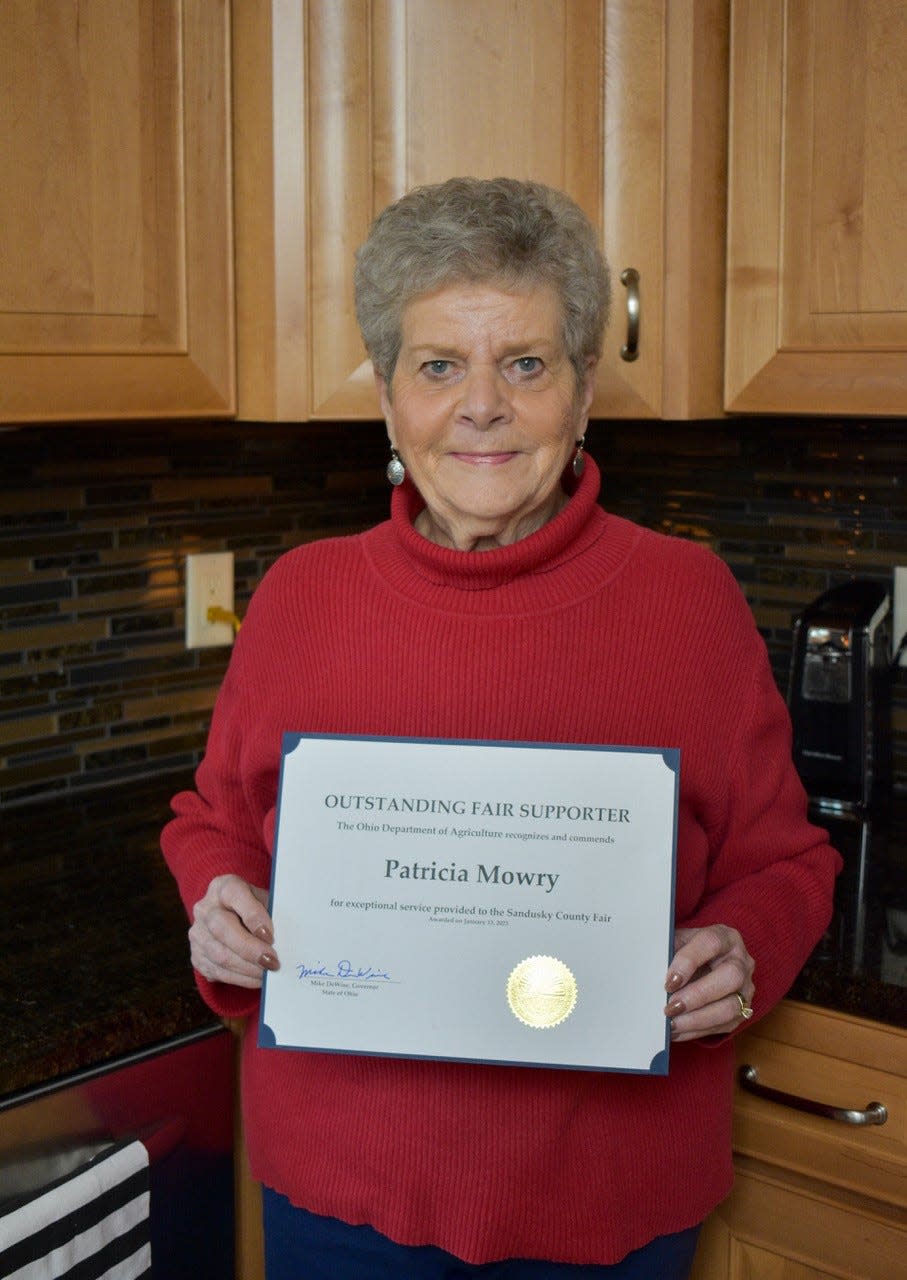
{"x":575,"y":527}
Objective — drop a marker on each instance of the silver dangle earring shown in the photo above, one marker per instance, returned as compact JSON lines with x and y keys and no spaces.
{"x":396,"y":472}
{"x":579,"y":458}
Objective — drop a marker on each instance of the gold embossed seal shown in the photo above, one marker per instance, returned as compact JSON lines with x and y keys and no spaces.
{"x":541,"y":991}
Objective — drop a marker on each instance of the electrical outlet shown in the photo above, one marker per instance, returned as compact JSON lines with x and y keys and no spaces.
{"x":209,"y":581}
{"x":899,"y":609}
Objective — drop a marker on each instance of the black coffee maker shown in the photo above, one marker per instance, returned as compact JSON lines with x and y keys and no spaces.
{"x":840,"y":697}
{"x":840,"y":703}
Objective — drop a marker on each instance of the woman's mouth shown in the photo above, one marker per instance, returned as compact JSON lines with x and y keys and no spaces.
{"x":484,"y":459}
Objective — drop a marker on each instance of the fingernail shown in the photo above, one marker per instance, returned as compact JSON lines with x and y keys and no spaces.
{"x":268,"y":960}
{"x":674,"y":981}
{"x":264,"y":933}
{"x":675,"y":1007}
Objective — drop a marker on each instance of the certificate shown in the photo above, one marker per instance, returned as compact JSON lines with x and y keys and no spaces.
{"x":491,"y":902}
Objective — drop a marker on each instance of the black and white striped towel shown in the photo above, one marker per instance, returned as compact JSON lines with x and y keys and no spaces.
{"x":90,"y":1225}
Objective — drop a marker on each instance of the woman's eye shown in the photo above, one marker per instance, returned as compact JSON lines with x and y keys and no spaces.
{"x":437,"y":368}
{"x":528,"y":364}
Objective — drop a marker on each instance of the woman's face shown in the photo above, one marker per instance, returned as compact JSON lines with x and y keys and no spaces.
{"x":485,"y":411}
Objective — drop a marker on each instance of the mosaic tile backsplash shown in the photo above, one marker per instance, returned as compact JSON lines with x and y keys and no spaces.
{"x":96,"y":685}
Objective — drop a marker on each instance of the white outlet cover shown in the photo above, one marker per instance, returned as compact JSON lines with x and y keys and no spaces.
{"x":209,"y":581}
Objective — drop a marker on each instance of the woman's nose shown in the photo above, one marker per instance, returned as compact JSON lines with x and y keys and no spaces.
{"x":483,"y":398}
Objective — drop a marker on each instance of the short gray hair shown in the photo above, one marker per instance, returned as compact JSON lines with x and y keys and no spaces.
{"x":489,"y":230}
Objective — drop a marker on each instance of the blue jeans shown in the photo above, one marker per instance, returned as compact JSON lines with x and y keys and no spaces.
{"x":304,"y":1246}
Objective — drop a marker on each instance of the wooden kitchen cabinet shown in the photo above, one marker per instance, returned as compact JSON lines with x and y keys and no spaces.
{"x":116,"y":286}
{"x":815,"y":1197}
{"x":340,"y":106}
{"x":817,"y":208}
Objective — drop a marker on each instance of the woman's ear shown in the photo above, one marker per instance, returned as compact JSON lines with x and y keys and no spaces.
{"x":384,"y":400}
{"x":587,"y":389}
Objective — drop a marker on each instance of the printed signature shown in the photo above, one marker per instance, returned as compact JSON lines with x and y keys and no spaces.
{"x":344,"y":969}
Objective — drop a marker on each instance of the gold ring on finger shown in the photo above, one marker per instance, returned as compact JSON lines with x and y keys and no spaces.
{"x":746,"y":1009}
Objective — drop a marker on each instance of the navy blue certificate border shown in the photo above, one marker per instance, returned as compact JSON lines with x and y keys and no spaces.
{"x":659,"y":1065}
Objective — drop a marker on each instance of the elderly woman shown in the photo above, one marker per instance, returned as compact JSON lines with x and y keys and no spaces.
{"x":500,"y":602}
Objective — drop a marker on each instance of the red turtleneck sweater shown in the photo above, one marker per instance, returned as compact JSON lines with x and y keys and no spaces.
{"x":590,"y":630}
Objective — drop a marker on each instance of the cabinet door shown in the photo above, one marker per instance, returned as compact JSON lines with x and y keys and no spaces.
{"x":116,"y":270}
{"x":343,"y":105}
{"x":816,"y":1195}
{"x":827,"y":1067}
{"x":817,"y":219}
{"x":777,"y":1227}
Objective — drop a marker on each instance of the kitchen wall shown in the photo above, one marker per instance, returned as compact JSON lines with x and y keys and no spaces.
{"x":96,"y":686}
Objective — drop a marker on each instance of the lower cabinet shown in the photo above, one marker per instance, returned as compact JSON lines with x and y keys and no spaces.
{"x":821,"y":1189}
{"x":781,"y":1227}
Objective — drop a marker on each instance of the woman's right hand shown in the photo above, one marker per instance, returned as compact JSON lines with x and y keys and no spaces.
{"x":231,"y":937}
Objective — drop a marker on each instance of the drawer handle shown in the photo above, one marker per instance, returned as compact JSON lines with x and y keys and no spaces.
{"x":630,"y":278}
{"x":874,"y":1112}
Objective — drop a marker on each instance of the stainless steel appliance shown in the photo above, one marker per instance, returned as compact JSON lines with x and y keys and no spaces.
{"x":840,"y":697}
{"x":177,"y":1100}
{"x":840,"y":703}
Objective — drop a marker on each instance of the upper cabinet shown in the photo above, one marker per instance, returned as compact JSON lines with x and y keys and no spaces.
{"x":817,"y":211}
{"x":116,"y":285}
{"x":756,"y":230}
{"x":340,"y":106}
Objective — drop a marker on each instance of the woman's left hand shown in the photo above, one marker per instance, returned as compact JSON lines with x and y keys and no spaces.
{"x":710,"y":967}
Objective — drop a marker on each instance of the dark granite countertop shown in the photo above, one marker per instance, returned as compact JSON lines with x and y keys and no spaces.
{"x":860,"y":966}
{"x":95,"y":962}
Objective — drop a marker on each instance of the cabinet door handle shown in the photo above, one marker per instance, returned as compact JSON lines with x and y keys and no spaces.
{"x":873,"y":1112}
{"x":630,"y":278}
